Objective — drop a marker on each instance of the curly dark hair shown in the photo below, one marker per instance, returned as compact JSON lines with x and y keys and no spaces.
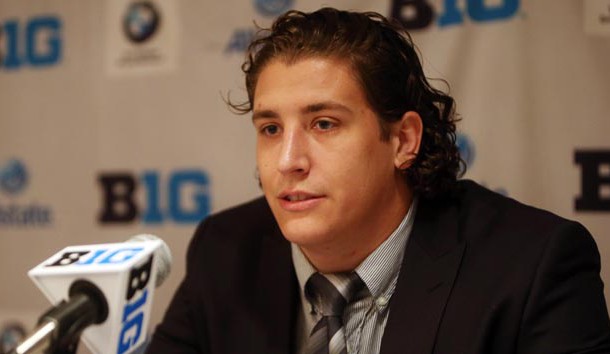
{"x":386,"y":63}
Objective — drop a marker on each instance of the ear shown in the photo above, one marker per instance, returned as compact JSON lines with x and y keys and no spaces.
{"x":407,"y":135}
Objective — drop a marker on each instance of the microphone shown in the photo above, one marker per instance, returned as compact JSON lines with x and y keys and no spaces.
{"x":108,"y":286}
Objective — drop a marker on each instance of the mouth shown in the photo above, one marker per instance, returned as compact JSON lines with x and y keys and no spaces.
{"x":298,"y":200}
{"x":297,"y":197}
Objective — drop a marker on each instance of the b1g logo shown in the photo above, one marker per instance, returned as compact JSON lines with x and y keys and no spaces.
{"x":272,"y":8}
{"x":132,"y":320}
{"x":183,"y":199}
{"x":36,"y":42}
{"x":99,"y":257}
{"x":466,"y":148}
{"x":419,"y":14}
{"x":595,"y":180}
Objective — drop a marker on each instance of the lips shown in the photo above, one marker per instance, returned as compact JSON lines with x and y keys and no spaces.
{"x":296,"y":197}
{"x":298,"y":200}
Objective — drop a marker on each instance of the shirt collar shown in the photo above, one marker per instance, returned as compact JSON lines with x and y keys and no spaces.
{"x":379,"y":271}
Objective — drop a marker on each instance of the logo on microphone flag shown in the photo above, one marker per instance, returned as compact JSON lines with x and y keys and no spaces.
{"x":124,"y":272}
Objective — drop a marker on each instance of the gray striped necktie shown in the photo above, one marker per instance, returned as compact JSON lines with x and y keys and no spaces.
{"x":329,"y":294}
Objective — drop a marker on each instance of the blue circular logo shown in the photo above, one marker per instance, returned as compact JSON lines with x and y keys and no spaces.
{"x":13,"y":177}
{"x":272,"y":8}
{"x":466,"y":148}
{"x":10,"y":336}
{"x":2,"y":45}
{"x":141,"y":21}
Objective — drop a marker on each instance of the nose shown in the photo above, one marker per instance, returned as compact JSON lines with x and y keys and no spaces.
{"x":294,"y":154}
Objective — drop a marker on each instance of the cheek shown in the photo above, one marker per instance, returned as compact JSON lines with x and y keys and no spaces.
{"x":264,"y":155}
{"x":364,"y":171}
{"x":263,"y":167}
{"x":346,"y":172}
{"x":366,"y":154}
{"x":265,"y":177}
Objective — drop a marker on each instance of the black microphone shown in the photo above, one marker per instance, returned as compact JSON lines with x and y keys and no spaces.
{"x":108,"y":286}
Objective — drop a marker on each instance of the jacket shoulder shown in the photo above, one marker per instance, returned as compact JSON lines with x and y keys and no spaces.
{"x":479,"y":205}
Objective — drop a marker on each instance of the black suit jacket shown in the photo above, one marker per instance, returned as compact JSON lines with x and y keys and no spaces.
{"x":481,"y":274}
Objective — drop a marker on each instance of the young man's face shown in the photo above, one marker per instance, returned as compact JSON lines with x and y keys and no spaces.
{"x":330,"y":180}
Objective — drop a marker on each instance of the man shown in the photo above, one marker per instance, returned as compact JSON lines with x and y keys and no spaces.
{"x":364,"y":241}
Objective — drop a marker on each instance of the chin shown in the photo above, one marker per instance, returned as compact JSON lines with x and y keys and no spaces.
{"x":305,"y":233}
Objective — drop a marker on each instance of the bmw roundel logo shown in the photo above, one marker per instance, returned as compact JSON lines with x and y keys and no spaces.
{"x":13,"y":177}
{"x":141,"y":21}
{"x":466,"y":148}
{"x":272,"y":8}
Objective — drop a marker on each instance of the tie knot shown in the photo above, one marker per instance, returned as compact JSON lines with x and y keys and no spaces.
{"x":330,"y":293}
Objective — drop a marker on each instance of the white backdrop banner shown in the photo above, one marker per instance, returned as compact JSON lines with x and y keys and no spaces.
{"x":113,"y":123}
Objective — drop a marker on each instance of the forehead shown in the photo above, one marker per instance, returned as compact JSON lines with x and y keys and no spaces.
{"x":307,"y":79}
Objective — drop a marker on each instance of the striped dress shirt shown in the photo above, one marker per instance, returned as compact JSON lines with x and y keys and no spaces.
{"x":366,"y":316}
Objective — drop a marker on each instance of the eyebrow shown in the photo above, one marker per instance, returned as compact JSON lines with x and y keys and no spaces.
{"x":323,"y":106}
{"x":310,"y":108}
{"x":267,"y":113}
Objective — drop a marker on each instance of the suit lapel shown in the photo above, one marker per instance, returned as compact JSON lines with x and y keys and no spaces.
{"x":277,"y":295}
{"x":430,"y":265}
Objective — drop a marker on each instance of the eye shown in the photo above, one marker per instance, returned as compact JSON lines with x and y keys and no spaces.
{"x":270,"y":129}
{"x":324,"y":124}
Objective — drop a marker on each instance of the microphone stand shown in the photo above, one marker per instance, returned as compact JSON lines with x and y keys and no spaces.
{"x":60,"y":328}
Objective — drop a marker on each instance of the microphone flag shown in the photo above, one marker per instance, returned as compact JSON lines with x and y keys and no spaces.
{"x":125,"y":273}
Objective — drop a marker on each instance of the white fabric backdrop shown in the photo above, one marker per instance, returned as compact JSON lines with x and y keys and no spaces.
{"x":532,"y":86}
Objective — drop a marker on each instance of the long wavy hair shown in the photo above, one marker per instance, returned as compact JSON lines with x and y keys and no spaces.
{"x":384,"y":59}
